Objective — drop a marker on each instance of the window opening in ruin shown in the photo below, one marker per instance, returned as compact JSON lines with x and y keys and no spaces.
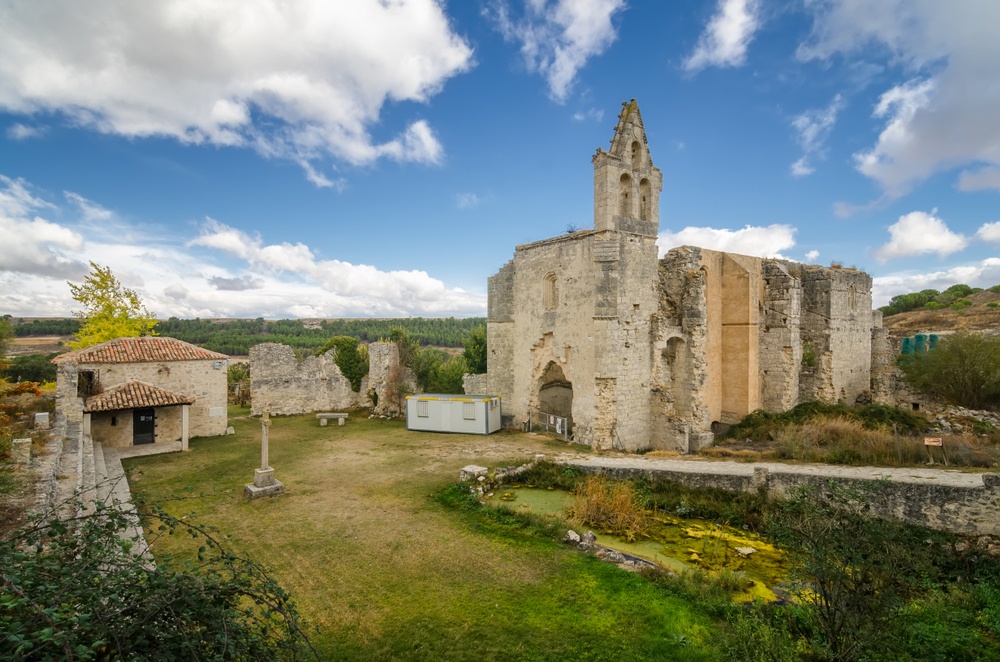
{"x":636,"y":155}
{"x":852,"y":298}
{"x":644,"y":200}
{"x":86,"y":383}
{"x":550,"y":292}
{"x":624,"y":190}
{"x":469,"y":411}
{"x":422,"y":408}
{"x":916,"y":406}
{"x":114,"y":420}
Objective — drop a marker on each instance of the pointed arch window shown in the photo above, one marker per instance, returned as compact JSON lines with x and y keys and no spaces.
{"x":645,"y":200}
{"x":636,"y":155}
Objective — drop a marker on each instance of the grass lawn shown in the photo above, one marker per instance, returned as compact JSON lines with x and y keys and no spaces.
{"x":387,"y":572}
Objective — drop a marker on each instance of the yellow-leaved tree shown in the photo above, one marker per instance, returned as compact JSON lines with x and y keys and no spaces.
{"x":110,"y":310}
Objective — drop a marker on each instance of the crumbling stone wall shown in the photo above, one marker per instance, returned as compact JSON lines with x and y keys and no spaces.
{"x":284,"y":385}
{"x":780,"y":339}
{"x":475,"y":384}
{"x":388,"y":379}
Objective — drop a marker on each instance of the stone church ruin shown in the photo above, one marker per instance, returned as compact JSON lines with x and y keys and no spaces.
{"x":642,"y":352}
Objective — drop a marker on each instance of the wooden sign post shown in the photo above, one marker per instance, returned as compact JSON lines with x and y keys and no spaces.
{"x":935,"y":441}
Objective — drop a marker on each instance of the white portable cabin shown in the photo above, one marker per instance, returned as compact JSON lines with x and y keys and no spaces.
{"x":469,"y":414}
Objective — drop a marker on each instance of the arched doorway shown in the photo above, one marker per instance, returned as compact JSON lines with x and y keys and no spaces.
{"x":555,"y":392}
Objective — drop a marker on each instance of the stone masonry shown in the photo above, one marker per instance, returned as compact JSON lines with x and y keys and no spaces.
{"x":643,"y":352}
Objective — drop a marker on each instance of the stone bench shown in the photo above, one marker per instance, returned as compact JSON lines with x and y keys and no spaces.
{"x":324,"y":418}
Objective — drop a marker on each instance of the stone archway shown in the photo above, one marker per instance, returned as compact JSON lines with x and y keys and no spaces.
{"x":555,"y":392}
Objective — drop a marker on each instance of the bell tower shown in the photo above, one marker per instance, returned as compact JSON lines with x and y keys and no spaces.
{"x":626,"y":183}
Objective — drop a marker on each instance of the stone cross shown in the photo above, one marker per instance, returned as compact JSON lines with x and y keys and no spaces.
{"x":265,"y":423}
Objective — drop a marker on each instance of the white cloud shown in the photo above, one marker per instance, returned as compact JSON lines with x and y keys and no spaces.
{"x":23,"y":131}
{"x":812,"y":255}
{"x":989,"y":232}
{"x":557,"y":37}
{"x":466,"y":200}
{"x":982,"y":274}
{"x":590,"y":114}
{"x":297,"y":79}
{"x":812,"y":130}
{"x":918,"y":233}
{"x":30,"y":244}
{"x":222,"y":272}
{"x":727,"y":36}
{"x":944,"y":115}
{"x":751,"y":240}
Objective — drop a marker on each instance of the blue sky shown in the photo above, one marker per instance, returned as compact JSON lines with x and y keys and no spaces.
{"x":305,"y":158}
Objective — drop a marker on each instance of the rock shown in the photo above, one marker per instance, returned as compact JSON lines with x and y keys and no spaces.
{"x":744,"y":551}
{"x":471,"y":471}
{"x":230,"y":430}
{"x":572,"y":537}
{"x":589,"y":538}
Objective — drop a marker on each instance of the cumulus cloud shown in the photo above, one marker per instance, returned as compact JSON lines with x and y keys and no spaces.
{"x":918,"y":233}
{"x":298,"y":79}
{"x":812,"y":256}
{"x":222,"y":272}
{"x":943,"y":116}
{"x":989,"y":232}
{"x":727,"y":36}
{"x":812,"y":129}
{"x":30,"y":244}
{"x":981,"y":274}
{"x":558,"y":37}
{"x":751,"y":240}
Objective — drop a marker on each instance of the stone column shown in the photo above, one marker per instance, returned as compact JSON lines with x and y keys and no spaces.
{"x":264,"y":482}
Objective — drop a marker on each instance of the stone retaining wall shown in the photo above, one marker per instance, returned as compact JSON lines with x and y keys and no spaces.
{"x":964,"y":510}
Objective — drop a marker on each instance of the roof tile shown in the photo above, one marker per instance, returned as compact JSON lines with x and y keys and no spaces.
{"x":147,"y":349}
{"x":134,"y":395}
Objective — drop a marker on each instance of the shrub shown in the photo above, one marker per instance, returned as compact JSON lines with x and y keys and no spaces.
{"x":349,"y":357}
{"x":610,"y":505}
{"x":475,"y":350}
{"x":964,"y":369}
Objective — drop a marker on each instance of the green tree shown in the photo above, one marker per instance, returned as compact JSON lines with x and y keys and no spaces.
{"x":349,"y":357}
{"x":110,"y":310}
{"x":30,"y":368}
{"x":6,"y":333}
{"x":475,"y":350}
{"x":964,"y":369}
{"x":80,"y":592}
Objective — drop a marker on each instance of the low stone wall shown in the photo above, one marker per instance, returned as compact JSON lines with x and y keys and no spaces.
{"x":964,"y":510}
{"x":475,"y":384}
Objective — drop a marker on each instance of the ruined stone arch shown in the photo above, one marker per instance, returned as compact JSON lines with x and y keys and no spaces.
{"x":555,"y":392}
{"x":625,"y":195}
{"x":550,"y":291}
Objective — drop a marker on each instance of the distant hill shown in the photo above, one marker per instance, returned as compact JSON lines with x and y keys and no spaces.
{"x":979,"y":317}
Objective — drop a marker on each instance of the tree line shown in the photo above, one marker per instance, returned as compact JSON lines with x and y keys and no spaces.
{"x":930,"y":299}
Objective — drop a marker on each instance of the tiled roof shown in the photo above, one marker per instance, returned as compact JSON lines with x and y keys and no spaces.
{"x":147,"y":349}
{"x":134,"y":395}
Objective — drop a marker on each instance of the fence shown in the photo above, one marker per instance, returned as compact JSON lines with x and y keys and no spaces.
{"x":540,"y":421}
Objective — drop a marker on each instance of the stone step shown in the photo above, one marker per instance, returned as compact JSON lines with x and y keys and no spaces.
{"x":88,"y":475}
{"x":101,"y":474}
{"x":121,"y":497}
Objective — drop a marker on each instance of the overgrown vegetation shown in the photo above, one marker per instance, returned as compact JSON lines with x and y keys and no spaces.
{"x":861,"y":588}
{"x":29,"y":368}
{"x":964,"y":369}
{"x":610,"y":505}
{"x":762,"y":424}
{"x":434,"y":370}
{"x":76,"y":590}
{"x":351,"y":358}
{"x":475,"y":351}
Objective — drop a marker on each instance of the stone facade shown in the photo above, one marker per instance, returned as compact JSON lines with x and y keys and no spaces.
{"x":641,"y":352}
{"x":103,"y":386}
{"x":283,"y":384}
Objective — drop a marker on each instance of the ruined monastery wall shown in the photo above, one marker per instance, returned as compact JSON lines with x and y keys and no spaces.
{"x":284,"y":385}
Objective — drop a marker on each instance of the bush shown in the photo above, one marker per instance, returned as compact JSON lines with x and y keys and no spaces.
{"x":81,"y":592}
{"x":964,"y":370}
{"x":475,"y":350}
{"x":349,"y":357}
{"x":611,"y":505}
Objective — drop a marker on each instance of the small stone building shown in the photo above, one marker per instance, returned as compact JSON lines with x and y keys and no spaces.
{"x":143,"y":390}
{"x":641,"y":352}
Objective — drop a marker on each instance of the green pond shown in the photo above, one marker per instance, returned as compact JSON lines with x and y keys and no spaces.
{"x":673,"y":542}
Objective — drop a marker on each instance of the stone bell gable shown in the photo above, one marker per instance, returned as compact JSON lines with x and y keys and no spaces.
{"x":639,"y":352}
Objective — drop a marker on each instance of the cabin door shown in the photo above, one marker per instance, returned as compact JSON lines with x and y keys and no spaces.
{"x":143,"y":422}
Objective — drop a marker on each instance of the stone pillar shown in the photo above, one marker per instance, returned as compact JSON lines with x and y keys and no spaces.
{"x":264,"y":482}
{"x":185,"y":426}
